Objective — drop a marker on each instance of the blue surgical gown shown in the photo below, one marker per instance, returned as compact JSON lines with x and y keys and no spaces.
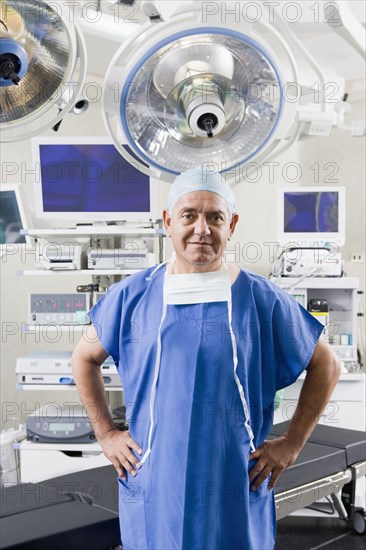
{"x":193,"y":491}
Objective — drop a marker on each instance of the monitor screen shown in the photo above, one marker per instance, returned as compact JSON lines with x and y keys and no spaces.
{"x":10,"y":218}
{"x":311,"y":214}
{"x":85,"y":178}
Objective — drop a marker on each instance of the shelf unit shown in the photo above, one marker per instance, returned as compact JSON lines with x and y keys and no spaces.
{"x":346,"y":409}
{"x":341,"y":296}
{"x":88,"y":234}
{"x":92,"y":234}
{"x":55,"y":457}
{"x":89,"y":230}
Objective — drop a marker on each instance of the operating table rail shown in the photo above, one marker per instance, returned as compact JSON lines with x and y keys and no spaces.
{"x":304,"y":495}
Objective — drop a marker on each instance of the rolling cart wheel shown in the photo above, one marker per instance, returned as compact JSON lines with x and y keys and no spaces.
{"x":359,"y":521}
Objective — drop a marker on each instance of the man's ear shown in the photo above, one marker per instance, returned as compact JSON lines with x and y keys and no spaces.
{"x":167,"y":221}
{"x":234,"y":221}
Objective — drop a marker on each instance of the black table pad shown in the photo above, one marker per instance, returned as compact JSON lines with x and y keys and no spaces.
{"x":99,"y":484}
{"x":20,"y":498}
{"x":72,"y":525}
{"x":352,"y":441}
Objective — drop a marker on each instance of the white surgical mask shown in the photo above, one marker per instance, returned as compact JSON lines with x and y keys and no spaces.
{"x":197,"y":288}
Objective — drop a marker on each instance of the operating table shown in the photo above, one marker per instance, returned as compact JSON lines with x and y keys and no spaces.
{"x":328,"y":466}
{"x":81,"y":510}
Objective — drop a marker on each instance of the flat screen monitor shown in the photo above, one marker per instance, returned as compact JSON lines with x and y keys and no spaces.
{"x":87,"y":179}
{"x":12,"y":218}
{"x":309,"y":215}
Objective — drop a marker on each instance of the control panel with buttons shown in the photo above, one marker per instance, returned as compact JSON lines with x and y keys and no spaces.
{"x":53,"y":423}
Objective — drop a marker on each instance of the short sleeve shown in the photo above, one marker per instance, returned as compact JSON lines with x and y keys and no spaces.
{"x":295,"y":334}
{"x":106,"y":316}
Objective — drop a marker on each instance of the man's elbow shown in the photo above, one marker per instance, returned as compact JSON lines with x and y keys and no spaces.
{"x":335,"y":366}
{"x":324,"y":359}
{"x":79,"y":359}
{"x":76,"y":361}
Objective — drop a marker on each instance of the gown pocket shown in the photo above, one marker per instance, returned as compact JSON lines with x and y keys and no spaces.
{"x":262,"y":491}
{"x":132,"y":514}
{"x":262,"y":525}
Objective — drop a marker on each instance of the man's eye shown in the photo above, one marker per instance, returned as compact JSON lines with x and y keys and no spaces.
{"x":217,"y":218}
{"x":187,"y":216}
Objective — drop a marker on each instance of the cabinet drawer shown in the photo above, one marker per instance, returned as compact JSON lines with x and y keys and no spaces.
{"x":345,"y":390}
{"x":38,"y":465}
{"x":341,"y":414}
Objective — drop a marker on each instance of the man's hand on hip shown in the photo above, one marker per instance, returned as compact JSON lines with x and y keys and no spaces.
{"x":117,"y":447}
{"x":273,"y":457}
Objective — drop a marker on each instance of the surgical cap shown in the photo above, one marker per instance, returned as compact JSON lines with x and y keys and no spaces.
{"x":196,"y":179}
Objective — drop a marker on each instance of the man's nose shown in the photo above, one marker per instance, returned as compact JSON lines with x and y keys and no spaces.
{"x":201,"y":226}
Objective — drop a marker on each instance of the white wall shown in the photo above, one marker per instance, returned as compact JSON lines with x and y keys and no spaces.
{"x":257,"y":208}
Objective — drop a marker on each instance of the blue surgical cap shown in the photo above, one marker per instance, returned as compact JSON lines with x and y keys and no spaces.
{"x":197,"y":179}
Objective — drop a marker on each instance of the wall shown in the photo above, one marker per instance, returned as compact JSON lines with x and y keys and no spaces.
{"x":257,"y":228}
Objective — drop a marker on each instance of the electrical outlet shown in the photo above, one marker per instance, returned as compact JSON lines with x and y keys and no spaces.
{"x":358,"y":257}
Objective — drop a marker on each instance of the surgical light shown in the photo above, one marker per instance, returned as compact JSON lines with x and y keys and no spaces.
{"x":42,"y":66}
{"x":183,"y":92}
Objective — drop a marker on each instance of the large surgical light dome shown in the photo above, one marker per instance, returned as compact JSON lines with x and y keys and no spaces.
{"x":181,"y":93}
{"x":41,"y":66}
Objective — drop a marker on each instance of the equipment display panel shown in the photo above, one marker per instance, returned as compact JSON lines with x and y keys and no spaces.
{"x":12,"y":218}
{"x":310,"y":215}
{"x":87,"y":179}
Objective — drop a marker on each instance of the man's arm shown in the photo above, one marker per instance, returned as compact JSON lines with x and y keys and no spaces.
{"x":86,"y":362}
{"x":276,"y":455}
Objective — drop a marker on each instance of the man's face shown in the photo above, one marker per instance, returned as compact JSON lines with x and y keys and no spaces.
{"x":199,"y":226}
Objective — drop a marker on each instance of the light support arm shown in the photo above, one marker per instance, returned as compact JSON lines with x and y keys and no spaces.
{"x":162,"y":10}
{"x":346,"y":25}
{"x":284,"y":28}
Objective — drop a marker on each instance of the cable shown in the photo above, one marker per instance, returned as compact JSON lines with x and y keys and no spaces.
{"x":104,"y":508}
{"x":276,"y":271}
{"x":309,"y":274}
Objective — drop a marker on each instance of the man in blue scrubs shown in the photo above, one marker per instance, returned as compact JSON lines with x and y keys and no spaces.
{"x":201,"y":347}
